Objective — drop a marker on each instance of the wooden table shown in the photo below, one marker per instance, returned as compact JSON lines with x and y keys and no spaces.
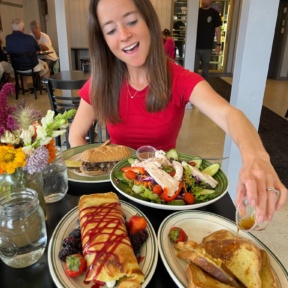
{"x":68,"y":79}
{"x":38,"y":275}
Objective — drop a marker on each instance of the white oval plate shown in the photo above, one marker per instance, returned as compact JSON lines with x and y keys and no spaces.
{"x":198,"y":224}
{"x":149,"y":250}
{"x":121,"y":187}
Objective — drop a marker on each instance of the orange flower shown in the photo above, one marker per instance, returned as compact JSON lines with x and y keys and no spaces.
{"x":52,"y":151}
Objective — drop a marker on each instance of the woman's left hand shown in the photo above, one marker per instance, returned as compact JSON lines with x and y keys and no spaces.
{"x":259,"y":182}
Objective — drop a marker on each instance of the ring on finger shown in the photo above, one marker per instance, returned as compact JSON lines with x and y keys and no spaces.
{"x":277,"y":192}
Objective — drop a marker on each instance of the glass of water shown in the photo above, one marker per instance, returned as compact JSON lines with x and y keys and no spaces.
{"x":55,"y":179}
{"x":23,"y":235}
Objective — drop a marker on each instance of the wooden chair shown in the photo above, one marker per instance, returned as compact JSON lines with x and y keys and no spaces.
{"x":23,"y":65}
{"x":60,"y":104}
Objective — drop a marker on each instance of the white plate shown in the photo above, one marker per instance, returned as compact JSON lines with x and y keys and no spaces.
{"x":74,"y":175}
{"x":221,"y":188}
{"x":149,"y":250}
{"x":198,"y":224}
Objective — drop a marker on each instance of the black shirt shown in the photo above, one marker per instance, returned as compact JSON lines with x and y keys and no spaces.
{"x":208,"y":20}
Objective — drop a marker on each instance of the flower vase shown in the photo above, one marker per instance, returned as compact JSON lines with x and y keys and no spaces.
{"x":22,"y":179}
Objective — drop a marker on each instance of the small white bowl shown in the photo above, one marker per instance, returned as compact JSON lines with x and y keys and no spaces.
{"x":145,"y":152}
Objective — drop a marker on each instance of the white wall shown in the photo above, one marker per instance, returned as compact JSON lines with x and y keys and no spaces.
{"x":9,"y":10}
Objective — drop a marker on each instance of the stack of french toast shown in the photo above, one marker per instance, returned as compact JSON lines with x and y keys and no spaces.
{"x":224,"y":260}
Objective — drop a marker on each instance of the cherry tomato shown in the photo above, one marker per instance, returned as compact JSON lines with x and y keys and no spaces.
{"x":157,"y":189}
{"x":189,"y":198}
{"x":192,"y":163}
{"x":172,"y":173}
{"x":130,"y":175}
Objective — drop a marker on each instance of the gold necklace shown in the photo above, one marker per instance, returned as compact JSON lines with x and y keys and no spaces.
{"x":128,"y":90}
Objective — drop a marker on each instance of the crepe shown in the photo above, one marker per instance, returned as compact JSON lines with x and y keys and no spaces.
{"x":105,"y":242}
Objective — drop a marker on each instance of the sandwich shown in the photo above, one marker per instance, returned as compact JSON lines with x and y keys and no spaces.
{"x":100,"y":160}
{"x":105,"y":242}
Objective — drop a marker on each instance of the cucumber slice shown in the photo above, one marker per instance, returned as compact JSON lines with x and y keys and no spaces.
{"x":206,"y":192}
{"x":137,"y":189}
{"x":121,"y":176}
{"x":131,"y":160}
{"x":172,"y":154}
{"x":176,"y":202}
{"x":212,"y":169}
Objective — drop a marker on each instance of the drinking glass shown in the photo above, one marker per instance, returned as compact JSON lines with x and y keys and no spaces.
{"x":55,"y":179}
{"x":23,"y":235}
{"x":246,"y":217}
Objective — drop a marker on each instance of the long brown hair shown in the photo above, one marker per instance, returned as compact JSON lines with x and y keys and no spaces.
{"x":108,"y":72}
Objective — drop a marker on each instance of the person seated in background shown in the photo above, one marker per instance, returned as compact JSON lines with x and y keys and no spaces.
{"x":45,"y":44}
{"x":19,"y":42}
{"x":5,"y":66}
{"x":169,"y":44}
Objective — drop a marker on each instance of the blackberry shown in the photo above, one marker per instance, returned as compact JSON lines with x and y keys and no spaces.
{"x":76,"y":233}
{"x":135,"y":242}
{"x":143,"y":234}
{"x":72,"y":242}
{"x":63,"y":253}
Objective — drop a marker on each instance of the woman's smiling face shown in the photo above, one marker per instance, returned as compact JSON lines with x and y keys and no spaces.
{"x":125,"y":31}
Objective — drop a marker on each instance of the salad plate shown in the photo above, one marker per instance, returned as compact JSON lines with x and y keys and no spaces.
{"x":149,"y":250}
{"x":75,"y":175}
{"x":123,"y":188}
{"x":197,"y":225}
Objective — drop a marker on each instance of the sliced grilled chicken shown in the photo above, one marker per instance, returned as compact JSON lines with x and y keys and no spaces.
{"x":162,"y":178}
{"x":204,"y":177}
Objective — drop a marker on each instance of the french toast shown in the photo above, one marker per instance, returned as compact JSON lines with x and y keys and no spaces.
{"x":240,"y":256}
{"x":198,"y":278}
{"x":222,"y":253}
{"x":266,"y":274}
{"x":191,"y":251}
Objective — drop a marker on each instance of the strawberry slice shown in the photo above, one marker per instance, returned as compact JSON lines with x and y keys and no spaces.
{"x":136,"y":224}
{"x":177,"y":234}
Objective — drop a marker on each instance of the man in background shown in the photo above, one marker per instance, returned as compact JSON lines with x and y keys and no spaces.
{"x":45,"y":44}
{"x":19,"y":42}
{"x":209,"y":24}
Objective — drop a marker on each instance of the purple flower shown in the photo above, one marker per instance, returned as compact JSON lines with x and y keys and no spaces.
{"x":6,"y":120}
{"x":37,"y":161}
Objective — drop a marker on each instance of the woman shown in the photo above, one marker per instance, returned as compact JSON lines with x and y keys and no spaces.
{"x":169,"y":44}
{"x":141,"y":96}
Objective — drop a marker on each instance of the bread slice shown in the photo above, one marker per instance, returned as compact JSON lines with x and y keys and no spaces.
{"x":106,"y":154}
{"x":198,"y":278}
{"x":192,"y":252}
{"x":220,"y":235}
{"x":266,"y":274}
{"x":240,"y":256}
